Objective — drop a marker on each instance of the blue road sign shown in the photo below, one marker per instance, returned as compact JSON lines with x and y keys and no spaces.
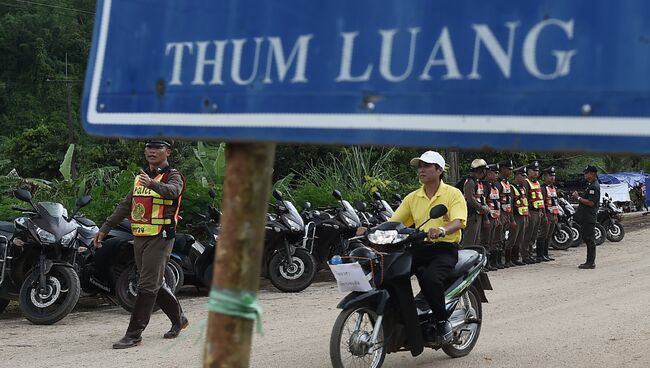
{"x":507,"y":74}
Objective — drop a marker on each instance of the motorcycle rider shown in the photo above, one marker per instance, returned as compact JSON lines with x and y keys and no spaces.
{"x":153,"y":205}
{"x":434,"y":262}
{"x":549,"y":219}
{"x":473,"y":190}
{"x":535,"y":207}
{"x":507,"y":217}
{"x":490,"y":234}
{"x":517,"y":235}
{"x":586,"y":215}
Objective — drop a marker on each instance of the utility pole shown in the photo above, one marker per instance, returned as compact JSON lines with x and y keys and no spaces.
{"x":454,"y":170}
{"x":68,"y":85}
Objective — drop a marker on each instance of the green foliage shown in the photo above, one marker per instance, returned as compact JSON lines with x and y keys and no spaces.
{"x":66,"y":165}
{"x":213,"y":164}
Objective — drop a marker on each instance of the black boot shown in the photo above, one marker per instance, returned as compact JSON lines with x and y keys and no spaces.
{"x":491,"y":265}
{"x":499,"y":263}
{"x":140,"y":316}
{"x":169,"y":304}
{"x":546,"y":256}
{"x":509,"y":262}
{"x":539,"y":251}
{"x":443,"y":332}
{"x":515,"y":257}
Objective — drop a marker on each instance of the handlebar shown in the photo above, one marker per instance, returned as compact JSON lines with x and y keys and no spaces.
{"x":22,"y":209}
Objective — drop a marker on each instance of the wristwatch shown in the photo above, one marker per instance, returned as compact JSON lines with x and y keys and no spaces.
{"x":444,"y":232}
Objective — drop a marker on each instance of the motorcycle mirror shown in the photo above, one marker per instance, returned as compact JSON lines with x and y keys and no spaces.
{"x":397,"y":196}
{"x":212,"y":193}
{"x":277,"y":194}
{"x":360,"y":206}
{"x":307,"y":205}
{"x":437,"y":211}
{"x":337,"y":195}
{"x":84,"y":201}
{"x":376,"y":195}
{"x":23,"y":195}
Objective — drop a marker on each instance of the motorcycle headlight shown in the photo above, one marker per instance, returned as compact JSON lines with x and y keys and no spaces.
{"x":45,"y":236}
{"x":386,"y":237}
{"x":294,"y":225}
{"x":69,"y":237}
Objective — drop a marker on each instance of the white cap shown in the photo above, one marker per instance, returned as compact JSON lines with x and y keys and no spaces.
{"x":430,"y":157}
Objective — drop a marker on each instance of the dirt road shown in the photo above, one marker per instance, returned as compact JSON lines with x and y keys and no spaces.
{"x":545,"y":315}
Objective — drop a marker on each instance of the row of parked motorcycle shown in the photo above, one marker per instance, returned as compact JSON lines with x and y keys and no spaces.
{"x":568,"y":232}
{"x":47,"y":258}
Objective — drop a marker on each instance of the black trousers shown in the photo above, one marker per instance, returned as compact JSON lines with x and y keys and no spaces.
{"x":432,"y":265}
{"x":590,"y":239}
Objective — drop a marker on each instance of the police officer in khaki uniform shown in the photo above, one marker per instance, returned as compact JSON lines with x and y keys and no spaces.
{"x":535,"y":208}
{"x":473,"y":190}
{"x":588,"y":203}
{"x":491,"y":232}
{"x":152,"y":206}
{"x":507,"y":218}
{"x":549,"y":220}
{"x":516,"y":236}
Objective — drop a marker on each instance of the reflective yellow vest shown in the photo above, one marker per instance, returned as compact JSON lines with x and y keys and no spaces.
{"x":521,"y":202}
{"x":148,"y":209}
{"x":536,"y":196}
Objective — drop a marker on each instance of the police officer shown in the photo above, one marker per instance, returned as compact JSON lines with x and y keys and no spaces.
{"x":507,"y":218}
{"x":516,"y":236}
{"x":588,"y":203}
{"x":490,"y":235}
{"x":473,"y":190}
{"x":535,"y":207}
{"x":549,"y":219}
{"x":152,"y":205}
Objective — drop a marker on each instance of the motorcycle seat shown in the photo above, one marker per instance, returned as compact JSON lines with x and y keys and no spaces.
{"x":7,"y":227}
{"x":466,"y":260}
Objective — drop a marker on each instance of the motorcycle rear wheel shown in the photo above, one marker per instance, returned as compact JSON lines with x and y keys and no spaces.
{"x":562,"y":237}
{"x":600,"y":234}
{"x":464,"y":341}
{"x":61,"y":295}
{"x":577,"y":235}
{"x":615,"y":231}
{"x":347,"y":348}
{"x":126,"y":287}
{"x":294,"y":277}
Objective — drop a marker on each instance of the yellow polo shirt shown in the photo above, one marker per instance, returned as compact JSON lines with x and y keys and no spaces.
{"x":416,"y":206}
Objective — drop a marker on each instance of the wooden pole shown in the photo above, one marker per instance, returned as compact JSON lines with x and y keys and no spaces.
{"x":247,"y":187}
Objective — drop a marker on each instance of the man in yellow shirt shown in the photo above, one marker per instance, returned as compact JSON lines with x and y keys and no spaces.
{"x":433,"y":262}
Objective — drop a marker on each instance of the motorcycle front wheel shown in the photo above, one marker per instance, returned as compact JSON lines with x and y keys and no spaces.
{"x":465,"y":334}
{"x":615,"y":231}
{"x":351,"y":334}
{"x":600,"y":234}
{"x":577,"y":234}
{"x":126,"y":287}
{"x":562,"y":237}
{"x":292,"y":275}
{"x":59,"y":297}
{"x":177,"y":269}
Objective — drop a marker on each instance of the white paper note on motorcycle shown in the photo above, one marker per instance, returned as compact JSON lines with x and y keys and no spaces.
{"x":350,"y":277}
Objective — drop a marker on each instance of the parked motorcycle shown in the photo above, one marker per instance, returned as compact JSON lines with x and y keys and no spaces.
{"x":328,"y":230}
{"x":289,"y":266}
{"x":566,"y":231}
{"x":610,"y":215}
{"x":388,"y":318}
{"x":37,"y":256}
{"x":110,"y":270}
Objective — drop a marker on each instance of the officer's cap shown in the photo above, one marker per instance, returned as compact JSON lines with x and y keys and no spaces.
{"x":506,"y":164}
{"x":534,"y":165}
{"x":521,"y":170}
{"x":590,"y":168}
{"x":159,"y":143}
{"x":550,"y":171}
{"x":493,"y":167}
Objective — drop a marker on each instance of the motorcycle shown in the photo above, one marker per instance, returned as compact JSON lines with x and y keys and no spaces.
{"x":566,"y":231}
{"x":190,"y":259}
{"x":327,"y":231}
{"x":38,"y":254}
{"x":289,"y":266}
{"x":388,"y":318}
{"x":609,"y":216}
{"x":110,"y":270}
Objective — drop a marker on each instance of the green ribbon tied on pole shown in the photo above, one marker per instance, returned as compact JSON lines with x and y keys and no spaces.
{"x":236,"y":303}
